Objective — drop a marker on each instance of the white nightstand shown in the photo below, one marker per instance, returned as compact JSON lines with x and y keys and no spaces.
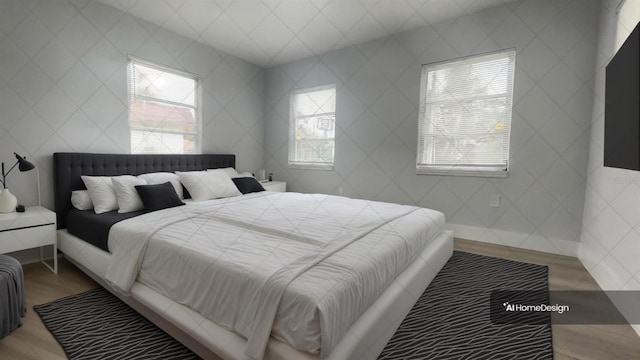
{"x":277,"y":186}
{"x":36,"y":227}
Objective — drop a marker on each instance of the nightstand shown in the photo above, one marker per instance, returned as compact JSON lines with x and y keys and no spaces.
{"x":277,"y":186}
{"x":36,"y":227}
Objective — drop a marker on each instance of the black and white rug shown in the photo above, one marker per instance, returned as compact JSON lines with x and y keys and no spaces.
{"x":451,"y":319}
{"x":97,"y":325}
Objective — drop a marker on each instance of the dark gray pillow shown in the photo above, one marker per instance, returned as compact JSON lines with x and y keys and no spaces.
{"x":159,"y":196}
{"x":247,"y":184}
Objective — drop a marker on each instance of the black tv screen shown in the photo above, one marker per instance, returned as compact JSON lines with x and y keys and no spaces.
{"x":622,"y":106}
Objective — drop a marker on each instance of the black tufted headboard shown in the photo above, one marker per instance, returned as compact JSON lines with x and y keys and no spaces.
{"x":68,"y":167}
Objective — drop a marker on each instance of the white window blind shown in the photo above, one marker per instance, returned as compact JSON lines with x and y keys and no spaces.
{"x":312,"y":128}
{"x":163,"y":110}
{"x":465,"y":115}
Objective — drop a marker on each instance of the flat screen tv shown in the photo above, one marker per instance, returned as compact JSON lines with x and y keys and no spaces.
{"x":622,"y":106}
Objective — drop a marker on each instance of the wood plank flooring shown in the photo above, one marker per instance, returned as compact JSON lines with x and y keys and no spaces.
{"x":606,"y":342}
{"x":32,"y":341}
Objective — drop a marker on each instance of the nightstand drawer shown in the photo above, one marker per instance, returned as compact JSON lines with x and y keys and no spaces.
{"x":21,"y":239}
{"x":278,"y":186}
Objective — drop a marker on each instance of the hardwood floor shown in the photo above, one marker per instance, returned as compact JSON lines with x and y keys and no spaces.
{"x":33,"y":341}
{"x":606,"y":342}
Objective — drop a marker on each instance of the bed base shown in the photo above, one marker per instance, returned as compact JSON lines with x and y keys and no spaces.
{"x":365,"y":339}
{"x":161,"y":322}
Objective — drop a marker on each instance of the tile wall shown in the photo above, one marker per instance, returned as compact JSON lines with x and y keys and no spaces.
{"x":63,"y":86}
{"x":377,"y":121}
{"x":610,"y":240}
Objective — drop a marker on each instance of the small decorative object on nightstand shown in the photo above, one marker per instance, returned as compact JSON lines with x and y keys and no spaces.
{"x":7,"y":200}
{"x":277,"y":186}
{"x":36,"y":227}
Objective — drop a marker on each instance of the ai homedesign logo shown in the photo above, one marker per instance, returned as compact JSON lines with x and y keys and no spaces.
{"x":522,"y":307}
{"x":557,"y":308}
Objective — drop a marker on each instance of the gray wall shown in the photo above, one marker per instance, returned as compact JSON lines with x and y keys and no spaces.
{"x":63,"y":86}
{"x":377,"y":120}
{"x":610,"y":241}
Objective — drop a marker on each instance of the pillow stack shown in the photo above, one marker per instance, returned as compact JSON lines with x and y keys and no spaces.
{"x":160,"y":190}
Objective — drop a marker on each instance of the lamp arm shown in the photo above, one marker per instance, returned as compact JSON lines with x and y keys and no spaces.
{"x":38,"y":175}
{"x":4,"y":175}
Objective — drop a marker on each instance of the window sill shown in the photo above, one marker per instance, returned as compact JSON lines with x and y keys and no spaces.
{"x":477,"y":172}
{"x":322,"y":167}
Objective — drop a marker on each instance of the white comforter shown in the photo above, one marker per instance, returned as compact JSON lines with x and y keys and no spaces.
{"x":298,"y":267}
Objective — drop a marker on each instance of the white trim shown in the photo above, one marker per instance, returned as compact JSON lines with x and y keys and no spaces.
{"x":162,"y":131}
{"x":131,"y":61}
{"x":199,"y":118}
{"x":173,"y":103}
{"x":293,"y":164}
{"x":515,"y":239}
{"x":462,"y":171}
{"x":313,"y":88}
{"x":311,"y":166}
{"x":495,"y":170}
{"x":162,"y":67}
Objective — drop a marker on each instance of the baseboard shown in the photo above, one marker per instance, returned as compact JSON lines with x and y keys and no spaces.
{"x":514,"y":239}
{"x":606,"y":271}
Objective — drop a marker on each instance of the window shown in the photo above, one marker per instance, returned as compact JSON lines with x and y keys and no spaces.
{"x":465,"y":116}
{"x":313,"y":128}
{"x":164,"y":115}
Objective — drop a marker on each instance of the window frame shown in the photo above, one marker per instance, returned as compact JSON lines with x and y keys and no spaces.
{"x":131,"y":61}
{"x":495,"y":170}
{"x":292,"y":162}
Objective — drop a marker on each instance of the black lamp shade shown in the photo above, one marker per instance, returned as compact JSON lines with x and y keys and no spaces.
{"x":23,"y":164}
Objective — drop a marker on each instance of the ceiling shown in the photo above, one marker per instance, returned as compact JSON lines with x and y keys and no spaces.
{"x":272,"y":32}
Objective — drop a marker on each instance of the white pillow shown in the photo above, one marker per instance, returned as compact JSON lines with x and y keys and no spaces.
{"x":128,"y":198}
{"x":244,"y":174}
{"x":206,"y":185}
{"x":163,"y":177}
{"x":81,"y":200}
{"x":230,"y":171}
{"x":101,"y":192}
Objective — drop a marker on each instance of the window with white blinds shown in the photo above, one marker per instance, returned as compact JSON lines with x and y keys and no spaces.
{"x":313,"y":128}
{"x":465,"y":116}
{"x":164,"y":116}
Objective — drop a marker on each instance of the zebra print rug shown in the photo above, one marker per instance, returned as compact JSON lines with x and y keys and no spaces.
{"x":97,"y":325}
{"x":451,"y":319}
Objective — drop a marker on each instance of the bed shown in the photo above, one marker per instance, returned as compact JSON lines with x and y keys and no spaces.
{"x":336,"y":276}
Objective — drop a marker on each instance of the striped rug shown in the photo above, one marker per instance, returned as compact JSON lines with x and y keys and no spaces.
{"x":449,"y":321}
{"x":97,"y":325}
{"x":451,"y":318}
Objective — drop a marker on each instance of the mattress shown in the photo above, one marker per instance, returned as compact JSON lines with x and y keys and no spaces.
{"x":231,"y":260}
{"x":364,"y":340}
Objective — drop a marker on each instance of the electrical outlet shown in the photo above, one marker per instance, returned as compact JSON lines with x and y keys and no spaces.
{"x":495,"y":201}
